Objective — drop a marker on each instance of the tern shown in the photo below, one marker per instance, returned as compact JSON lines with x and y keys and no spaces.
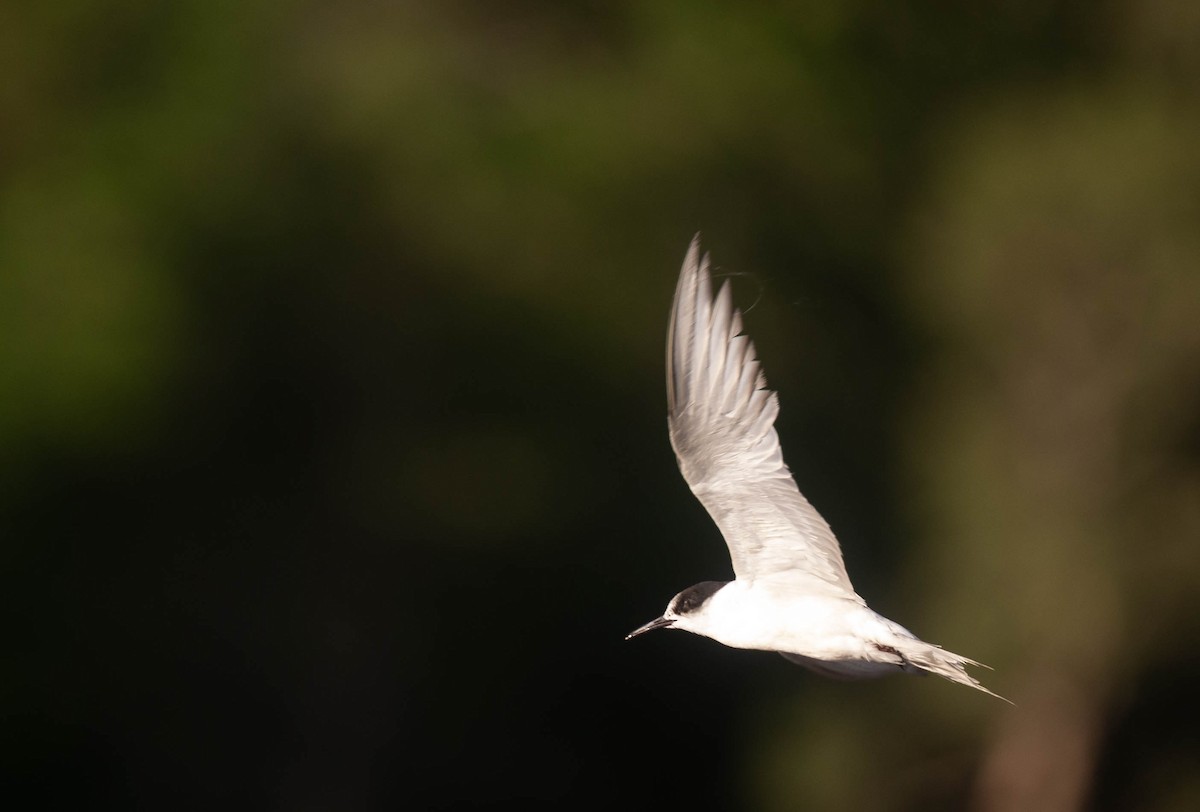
{"x":790,"y":591}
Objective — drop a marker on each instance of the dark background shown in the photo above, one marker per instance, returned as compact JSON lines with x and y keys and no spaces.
{"x":333,"y":459}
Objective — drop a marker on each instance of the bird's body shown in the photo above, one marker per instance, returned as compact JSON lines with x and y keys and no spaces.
{"x":791,"y":592}
{"x":744,"y":615}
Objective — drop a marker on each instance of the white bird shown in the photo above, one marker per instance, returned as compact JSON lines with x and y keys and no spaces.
{"x":790,"y":592}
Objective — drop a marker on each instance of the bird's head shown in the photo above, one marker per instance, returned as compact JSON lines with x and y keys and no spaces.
{"x":685,"y":611}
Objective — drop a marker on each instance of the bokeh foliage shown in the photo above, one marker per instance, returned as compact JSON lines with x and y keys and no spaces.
{"x":333,"y":465}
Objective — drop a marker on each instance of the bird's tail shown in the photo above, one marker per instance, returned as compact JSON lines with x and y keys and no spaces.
{"x":922,"y":657}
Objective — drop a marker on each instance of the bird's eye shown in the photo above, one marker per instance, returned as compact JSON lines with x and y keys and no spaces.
{"x":692,"y":598}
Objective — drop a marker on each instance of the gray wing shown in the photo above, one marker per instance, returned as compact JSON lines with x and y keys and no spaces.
{"x":722,"y":424}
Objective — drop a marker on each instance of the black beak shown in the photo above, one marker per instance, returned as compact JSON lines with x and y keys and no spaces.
{"x":657,"y":623}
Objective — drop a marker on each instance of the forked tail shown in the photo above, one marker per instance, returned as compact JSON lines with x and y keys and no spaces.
{"x":920,"y":656}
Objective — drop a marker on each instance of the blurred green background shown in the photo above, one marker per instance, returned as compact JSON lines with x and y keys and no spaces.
{"x":333,"y":459}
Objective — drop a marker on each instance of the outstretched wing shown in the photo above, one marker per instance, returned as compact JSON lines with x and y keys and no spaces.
{"x":722,"y":424}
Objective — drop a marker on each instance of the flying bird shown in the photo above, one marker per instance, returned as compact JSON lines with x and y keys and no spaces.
{"x":790,"y":591}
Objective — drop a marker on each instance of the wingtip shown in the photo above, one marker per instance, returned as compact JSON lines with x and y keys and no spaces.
{"x":692,"y":258}
{"x":696,"y":262}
